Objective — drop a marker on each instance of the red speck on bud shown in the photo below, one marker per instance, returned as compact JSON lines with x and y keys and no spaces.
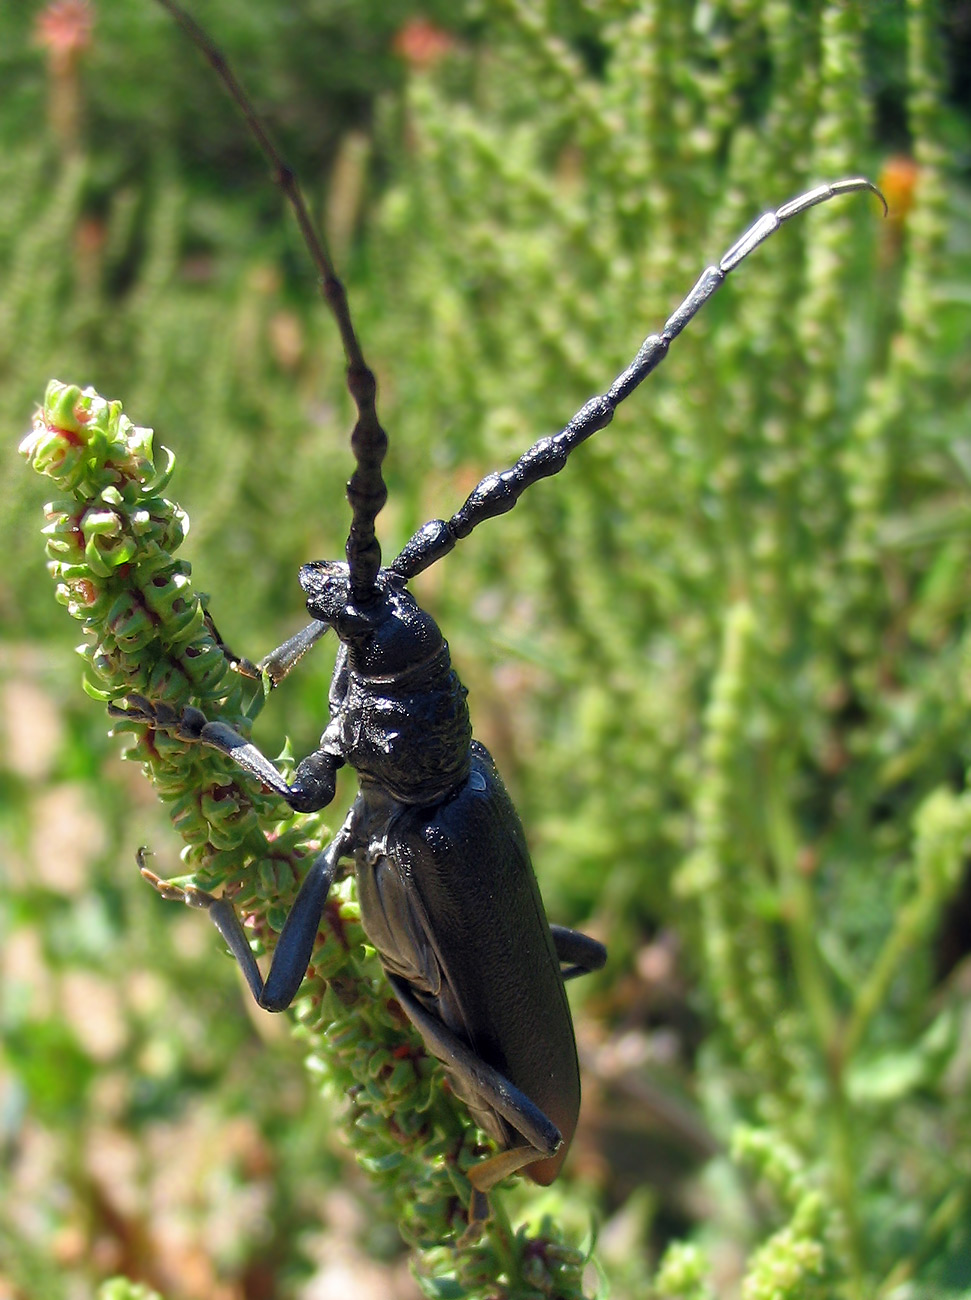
{"x":68,"y":435}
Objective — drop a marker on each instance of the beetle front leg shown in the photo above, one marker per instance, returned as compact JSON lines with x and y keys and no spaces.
{"x":279,"y":662}
{"x":314,"y":779}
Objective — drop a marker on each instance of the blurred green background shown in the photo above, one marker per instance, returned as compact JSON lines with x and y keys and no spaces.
{"x":723,"y":660}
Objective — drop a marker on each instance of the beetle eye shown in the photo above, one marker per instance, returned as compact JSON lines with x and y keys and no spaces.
{"x":325,"y":583}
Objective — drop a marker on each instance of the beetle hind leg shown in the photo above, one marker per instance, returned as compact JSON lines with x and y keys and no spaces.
{"x":578,"y":953}
{"x":542,"y":1139}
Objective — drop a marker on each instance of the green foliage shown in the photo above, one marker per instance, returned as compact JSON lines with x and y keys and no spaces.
{"x":119,"y":1288}
{"x":722,"y":659}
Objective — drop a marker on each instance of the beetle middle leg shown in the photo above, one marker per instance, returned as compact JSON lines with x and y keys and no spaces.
{"x":294,"y":948}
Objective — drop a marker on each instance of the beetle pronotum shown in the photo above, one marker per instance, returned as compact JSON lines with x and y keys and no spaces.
{"x":447,"y":892}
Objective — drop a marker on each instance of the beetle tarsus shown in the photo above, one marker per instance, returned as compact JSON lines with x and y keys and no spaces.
{"x":239,"y":663}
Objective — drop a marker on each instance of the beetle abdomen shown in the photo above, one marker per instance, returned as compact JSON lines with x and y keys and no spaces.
{"x":451,"y":903}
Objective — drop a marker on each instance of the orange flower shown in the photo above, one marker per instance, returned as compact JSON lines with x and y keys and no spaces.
{"x":64,"y":28}
{"x":421,"y":44}
{"x":898,"y":180}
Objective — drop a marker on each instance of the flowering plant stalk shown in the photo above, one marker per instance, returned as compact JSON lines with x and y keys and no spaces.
{"x":111,"y":543}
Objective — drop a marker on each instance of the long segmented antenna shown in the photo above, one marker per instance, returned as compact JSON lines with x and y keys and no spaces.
{"x":499,"y":491}
{"x":366,"y":491}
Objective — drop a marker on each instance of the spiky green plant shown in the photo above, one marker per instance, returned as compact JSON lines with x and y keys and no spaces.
{"x":111,"y":539}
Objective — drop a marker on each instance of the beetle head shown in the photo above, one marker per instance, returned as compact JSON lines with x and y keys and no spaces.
{"x":388,"y":635}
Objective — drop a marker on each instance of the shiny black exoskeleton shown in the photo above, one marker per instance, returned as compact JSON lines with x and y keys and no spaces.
{"x":447,"y":892}
{"x":448,"y":895}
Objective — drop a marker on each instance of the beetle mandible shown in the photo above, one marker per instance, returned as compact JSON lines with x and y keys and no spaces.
{"x":447,"y":893}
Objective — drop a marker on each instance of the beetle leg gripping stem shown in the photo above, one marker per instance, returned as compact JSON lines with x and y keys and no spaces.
{"x":315,"y":778}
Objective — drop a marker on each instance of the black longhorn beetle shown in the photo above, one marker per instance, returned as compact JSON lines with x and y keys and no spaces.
{"x":447,"y":893}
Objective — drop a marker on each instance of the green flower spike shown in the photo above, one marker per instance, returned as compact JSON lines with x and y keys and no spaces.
{"x":111,"y":536}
